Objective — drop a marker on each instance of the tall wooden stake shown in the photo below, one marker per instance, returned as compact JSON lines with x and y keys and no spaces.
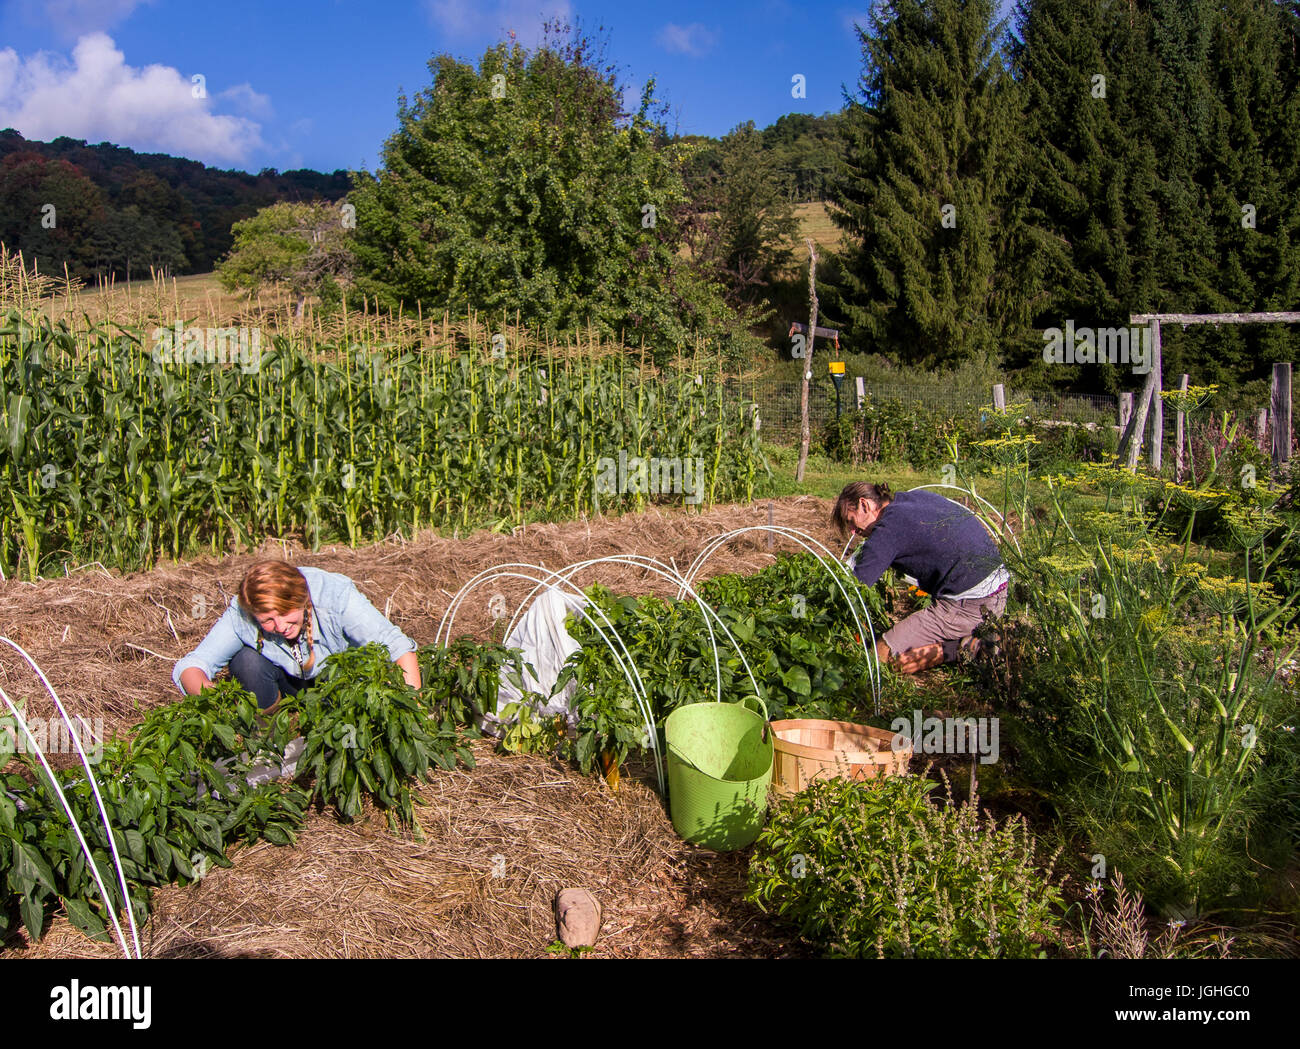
{"x":806,"y":433}
{"x":1157,"y":402}
{"x":1280,"y":410}
{"x":1180,"y":422}
{"x":1132,"y":438}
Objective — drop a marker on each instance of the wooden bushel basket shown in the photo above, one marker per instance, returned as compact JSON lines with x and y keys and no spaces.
{"x":809,"y":749}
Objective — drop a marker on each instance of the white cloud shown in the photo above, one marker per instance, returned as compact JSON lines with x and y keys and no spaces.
{"x":693,"y":39}
{"x":73,"y":19}
{"x":462,"y":19}
{"x":98,"y":97}
{"x":243,"y":97}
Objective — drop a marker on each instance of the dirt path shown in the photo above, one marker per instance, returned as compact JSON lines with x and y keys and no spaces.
{"x":500,"y":840}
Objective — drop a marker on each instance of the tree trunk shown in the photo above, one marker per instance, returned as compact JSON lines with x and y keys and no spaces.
{"x":806,"y":433}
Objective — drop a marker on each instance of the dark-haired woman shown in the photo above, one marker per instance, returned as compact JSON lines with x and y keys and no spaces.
{"x":949,"y":553}
{"x":284,"y":623}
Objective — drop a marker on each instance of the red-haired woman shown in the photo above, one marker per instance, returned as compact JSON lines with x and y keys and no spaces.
{"x":284,"y":623}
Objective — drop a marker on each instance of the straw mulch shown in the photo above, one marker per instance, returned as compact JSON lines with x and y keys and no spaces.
{"x":500,"y":839}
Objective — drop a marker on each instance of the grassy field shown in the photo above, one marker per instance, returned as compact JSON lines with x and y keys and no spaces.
{"x":825,"y":478}
{"x":197,"y":296}
{"x":815,"y":222}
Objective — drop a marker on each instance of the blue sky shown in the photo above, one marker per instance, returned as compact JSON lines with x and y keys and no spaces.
{"x":295,"y":83}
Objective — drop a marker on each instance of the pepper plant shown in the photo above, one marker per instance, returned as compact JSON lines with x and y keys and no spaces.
{"x":368,"y":733}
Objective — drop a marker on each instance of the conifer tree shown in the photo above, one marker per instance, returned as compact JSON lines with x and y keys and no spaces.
{"x":923,"y":185}
{"x":1149,"y":125}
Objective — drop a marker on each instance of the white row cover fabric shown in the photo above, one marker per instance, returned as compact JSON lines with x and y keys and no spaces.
{"x":545,"y":642}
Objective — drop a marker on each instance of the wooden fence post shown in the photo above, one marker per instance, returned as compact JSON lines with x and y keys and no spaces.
{"x":999,"y":397}
{"x":1138,"y":428}
{"x":1179,"y":423}
{"x":861,"y":388}
{"x":1125,"y":410}
{"x":1157,"y":402}
{"x":1280,"y":408}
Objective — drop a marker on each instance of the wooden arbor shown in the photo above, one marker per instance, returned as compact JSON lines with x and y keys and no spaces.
{"x":1149,"y":399}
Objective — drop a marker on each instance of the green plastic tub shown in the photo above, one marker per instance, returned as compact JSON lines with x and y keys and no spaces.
{"x":719,"y":769}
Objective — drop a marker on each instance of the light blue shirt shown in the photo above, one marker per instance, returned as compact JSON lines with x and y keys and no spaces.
{"x":342,"y":618}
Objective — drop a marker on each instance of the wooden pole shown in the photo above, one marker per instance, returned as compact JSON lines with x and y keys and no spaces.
{"x":861,"y":388}
{"x":1137,"y":428}
{"x":806,"y":433}
{"x":999,"y":397}
{"x":1157,"y":402}
{"x":1261,"y":428}
{"x":1179,"y":425}
{"x":1215,"y":318}
{"x":1125,"y":410}
{"x":1280,"y":406}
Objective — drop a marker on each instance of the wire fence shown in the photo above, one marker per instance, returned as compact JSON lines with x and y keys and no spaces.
{"x":780,"y":417}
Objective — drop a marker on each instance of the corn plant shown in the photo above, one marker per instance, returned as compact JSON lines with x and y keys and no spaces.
{"x":116,"y":452}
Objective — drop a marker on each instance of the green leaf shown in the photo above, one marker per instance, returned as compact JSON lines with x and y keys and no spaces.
{"x":86,"y":920}
{"x":30,"y":866}
{"x":162,"y":855}
{"x":337,"y":765}
{"x":208,"y":832}
{"x":182,"y":862}
{"x":226,"y":735}
{"x":33,"y":915}
{"x":797,"y":681}
{"x":135,"y":845}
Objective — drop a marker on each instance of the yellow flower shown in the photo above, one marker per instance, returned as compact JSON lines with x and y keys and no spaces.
{"x":1194,"y":498}
{"x":1070,"y":562}
{"x":1190,"y":399}
{"x":1249,"y":525}
{"x":1229,"y":596}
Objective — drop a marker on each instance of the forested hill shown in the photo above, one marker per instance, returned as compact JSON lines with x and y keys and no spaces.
{"x":802,"y":149}
{"x":118,"y":210}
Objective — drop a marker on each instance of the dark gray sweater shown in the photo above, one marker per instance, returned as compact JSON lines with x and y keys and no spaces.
{"x":942,"y":545}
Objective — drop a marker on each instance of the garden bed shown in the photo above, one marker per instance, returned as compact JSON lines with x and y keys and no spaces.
{"x":501,"y":838}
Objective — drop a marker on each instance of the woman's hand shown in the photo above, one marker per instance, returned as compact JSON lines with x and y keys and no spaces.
{"x":194,"y":680}
{"x":410,"y":664}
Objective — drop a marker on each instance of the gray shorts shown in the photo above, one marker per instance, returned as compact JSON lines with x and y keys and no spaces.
{"x":944,"y":620}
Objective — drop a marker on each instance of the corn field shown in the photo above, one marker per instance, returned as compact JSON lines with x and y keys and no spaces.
{"x":117,"y":453}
